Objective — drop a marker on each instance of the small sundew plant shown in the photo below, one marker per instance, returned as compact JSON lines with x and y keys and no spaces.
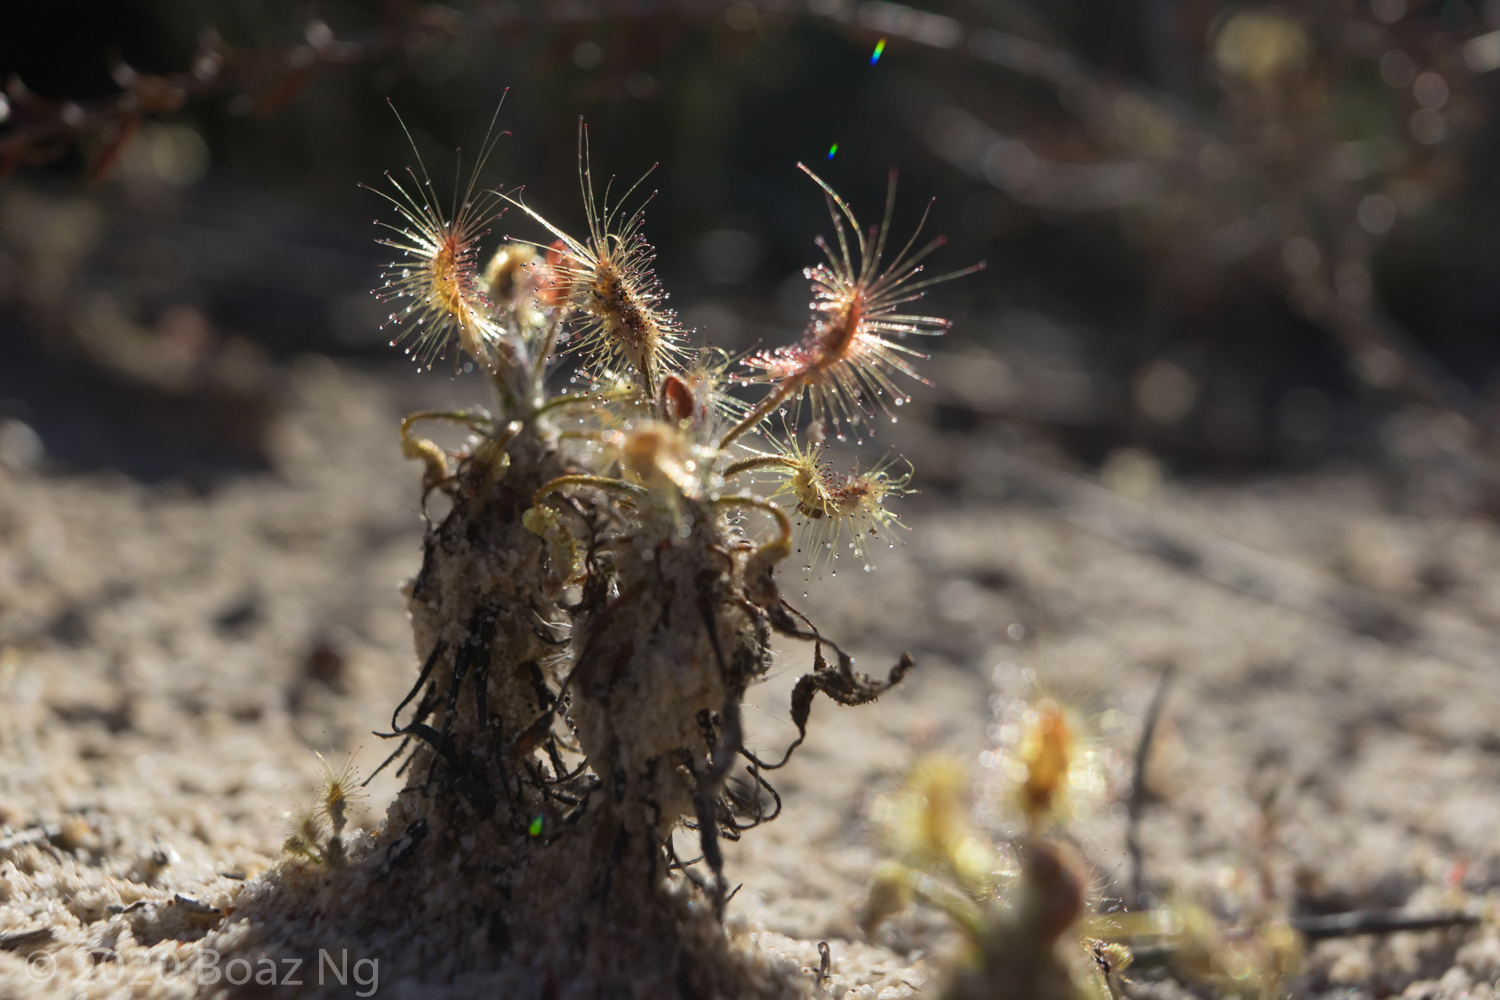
{"x":305,"y":832}
{"x":1021,"y":904}
{"x":1049,"y":764}
{"x":1249,"y":959}
{"x":603,"y":589}
{"x":995,"y":856}
{"x":316,"y":831}
{"x":340,"y":789}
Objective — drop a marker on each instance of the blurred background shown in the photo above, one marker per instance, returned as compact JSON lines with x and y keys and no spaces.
{"x":1223,"y":238}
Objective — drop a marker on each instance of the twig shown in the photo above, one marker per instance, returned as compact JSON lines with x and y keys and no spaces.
{"x":25,"y":939}
{"x":1337,"y":925}
{"x":1358,"y":922}
{"x":1138,"y":788}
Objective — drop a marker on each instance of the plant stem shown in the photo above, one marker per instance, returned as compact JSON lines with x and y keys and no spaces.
{"x":558,"y":402}
{"x":549,"y":341}
{"x":762,"y":410}
{"x":1138,"y":788}
{"x":783,"y":523}
{"x":511,"y":430}
{"x":474,"y":420}
{"x":599,"y":482}
{"x":503,"y":388}
{"x":758,"y":462}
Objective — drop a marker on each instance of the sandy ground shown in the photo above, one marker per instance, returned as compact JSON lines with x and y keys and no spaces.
{"x":169,"y":661}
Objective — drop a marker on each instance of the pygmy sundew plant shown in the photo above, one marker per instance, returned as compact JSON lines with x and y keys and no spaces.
{"x":999,"y":859}
{"x":589,"y":613}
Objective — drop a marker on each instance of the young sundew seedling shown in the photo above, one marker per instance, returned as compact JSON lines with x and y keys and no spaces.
{"x":315,"y":831}
{"x":339,"y":791}
{"x":996,"y":857}
{"x":590,"y":612}
{"x":999,"y":857}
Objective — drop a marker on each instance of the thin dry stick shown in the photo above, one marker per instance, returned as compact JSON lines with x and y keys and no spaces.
{"x":1379,"y":922}
{"x":1138,"y":788}
{"x":1335,"y":925}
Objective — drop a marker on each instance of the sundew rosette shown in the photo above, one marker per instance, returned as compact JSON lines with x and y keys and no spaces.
{"x":837,"y":513}
{"x":844,"y":513}
{"x":434,"y":289}
{"x":848,"y":356}
{"x":620,"y":317}
{"x":1021,"y":906}
{"x":1051,"y":763}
